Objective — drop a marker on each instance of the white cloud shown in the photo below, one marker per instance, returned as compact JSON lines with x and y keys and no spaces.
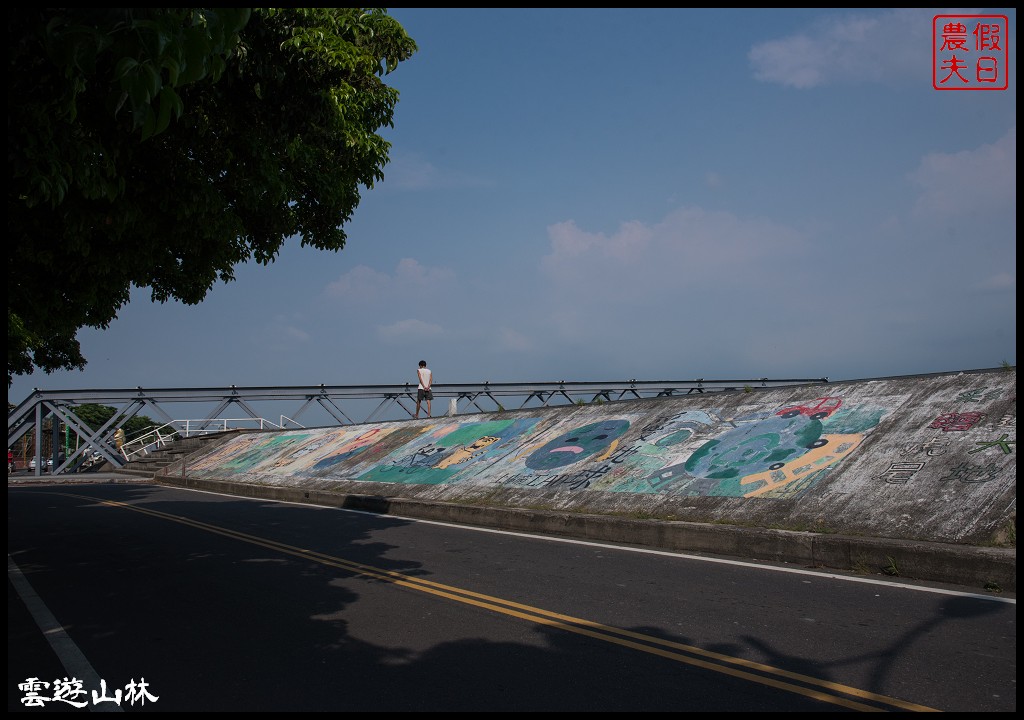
{"x":514,"y":341}
{"x":999,"y":281}
{"x":412,"y":172}
{"x":976,"y":180}
{"x":294,"y":333}
{"x":862,"y":47}
{"x":361,"y":283}
{"x":690,"y":244}
{"x":410,"y":271}
{"x":410,"y":330}
{"x":664,"y":280}
{"x":282,"y":332}
{"x":796,"y":61}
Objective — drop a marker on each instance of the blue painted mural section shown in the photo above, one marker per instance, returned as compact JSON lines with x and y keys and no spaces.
{"x":781,"y":451}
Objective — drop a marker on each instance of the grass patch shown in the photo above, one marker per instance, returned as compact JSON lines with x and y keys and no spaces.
{"x":632,"y":514}
{"x":892,"y":569}
{"x":815,"y":527}
{"x":861,"y":566}
{"x":1010,"y":532}
{"x":1004,"y":537}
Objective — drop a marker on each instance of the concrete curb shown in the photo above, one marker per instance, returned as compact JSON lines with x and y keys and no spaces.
{"x":982,"y":568}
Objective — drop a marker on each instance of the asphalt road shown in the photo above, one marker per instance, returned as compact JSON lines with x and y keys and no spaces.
{"x":225,"y":604}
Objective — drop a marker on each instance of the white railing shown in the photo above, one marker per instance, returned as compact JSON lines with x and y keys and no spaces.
{"x":169,"y":432}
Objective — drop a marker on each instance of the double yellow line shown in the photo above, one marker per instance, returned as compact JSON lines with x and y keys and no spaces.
{"x":823,"y":690}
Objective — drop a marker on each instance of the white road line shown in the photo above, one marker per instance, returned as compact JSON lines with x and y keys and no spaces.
{"x":74,"y":661}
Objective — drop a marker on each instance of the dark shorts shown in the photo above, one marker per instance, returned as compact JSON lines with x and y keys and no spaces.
{"x":422,"y":394}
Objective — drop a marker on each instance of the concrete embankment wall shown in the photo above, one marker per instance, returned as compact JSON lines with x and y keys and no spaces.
{"x":905,"y":459}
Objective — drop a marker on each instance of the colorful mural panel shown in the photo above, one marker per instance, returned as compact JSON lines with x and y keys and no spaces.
{"x":766,"y":454}
{"x":449,"y":451}
{"x":249,"y":451}
{"x":577,"y":444}
{"x":758,"y":452}
{"x":347,"y":449}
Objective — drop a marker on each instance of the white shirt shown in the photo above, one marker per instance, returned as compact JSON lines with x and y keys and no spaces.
{"x":426,"y":377}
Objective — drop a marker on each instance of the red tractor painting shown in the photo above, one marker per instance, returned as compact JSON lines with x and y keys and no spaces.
{"x":816,"y":410}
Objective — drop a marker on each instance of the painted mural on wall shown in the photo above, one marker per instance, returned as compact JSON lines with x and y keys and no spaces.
{"x":775,"y":453}
{"x":779,"y":452}
{"x":240,"y":454}
{"x":446,"y":451}
{"x":302,"y":453}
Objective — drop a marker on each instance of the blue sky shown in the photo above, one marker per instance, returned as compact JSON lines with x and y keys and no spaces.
{"x":659,"y":194}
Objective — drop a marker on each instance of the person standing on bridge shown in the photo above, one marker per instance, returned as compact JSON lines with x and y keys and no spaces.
{"x":423,"y":391}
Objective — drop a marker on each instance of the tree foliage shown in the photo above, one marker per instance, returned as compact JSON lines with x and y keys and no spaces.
{"x":159,"y":148}
{"x":95,"y":416}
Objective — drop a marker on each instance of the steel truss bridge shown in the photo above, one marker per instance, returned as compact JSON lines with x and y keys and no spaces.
{"x":247,"y":407}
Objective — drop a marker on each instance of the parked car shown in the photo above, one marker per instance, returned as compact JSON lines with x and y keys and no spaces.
{"x":94,"y":459}
{"x":32,"y":463}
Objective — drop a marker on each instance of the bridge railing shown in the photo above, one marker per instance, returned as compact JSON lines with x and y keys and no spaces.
{"x":167,"y":433}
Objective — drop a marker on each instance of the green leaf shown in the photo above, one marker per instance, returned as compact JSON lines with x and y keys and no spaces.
{"x":125,"y":66}
{"x":278,"y":148}
{"x":148,"y":123}
{"x":169,"y":103}
{"x":196,"y":51}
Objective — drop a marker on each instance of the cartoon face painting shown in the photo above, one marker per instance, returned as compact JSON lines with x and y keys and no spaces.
{"x":577,"y":444}
{"x":755,"y":447}
{"x":826,"y":451}
{"x":749,"y":448}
